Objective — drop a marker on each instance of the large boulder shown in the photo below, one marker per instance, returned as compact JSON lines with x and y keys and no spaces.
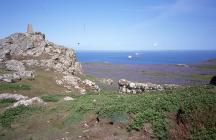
{"x":72,"y":82}
{"x":4,"y":55}
{"x":16,"y":97}
{"x":19,"y":72}
{"x":14,"y":65}
{"x":91,"y":85}
{"x":22,"y":100}
{"x":35,"y":101}
{"x":16,"y":76}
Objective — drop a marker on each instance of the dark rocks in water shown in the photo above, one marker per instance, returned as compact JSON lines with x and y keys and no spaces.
{"x":213,"y":81}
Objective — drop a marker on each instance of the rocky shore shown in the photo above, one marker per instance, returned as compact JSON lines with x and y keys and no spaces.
{"x":191,"y":74}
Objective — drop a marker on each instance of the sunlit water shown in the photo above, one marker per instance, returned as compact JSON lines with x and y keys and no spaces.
{"x":146,"y":57}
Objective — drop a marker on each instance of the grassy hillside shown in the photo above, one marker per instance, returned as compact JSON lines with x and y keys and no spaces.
{"x":65,"y":119}
{"x":184,"y":113}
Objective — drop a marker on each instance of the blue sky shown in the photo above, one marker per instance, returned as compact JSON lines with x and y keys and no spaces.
{"x":116,"y":24}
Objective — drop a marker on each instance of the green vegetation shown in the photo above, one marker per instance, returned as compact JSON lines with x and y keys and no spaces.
{"x":198,"y":104}
{"x":14,"y":86}
{"x":8,"y":116}
{"x":6,"y":101}
{"x":151,"y":107}
{"x":201,"y":77}
{"x":200,"y":112}
{"x":160,"y":74}
{"x":43,"y":83}
{"x":3,"y":71}
{"x":51,"y":98}
{"x":89,"y":77}
{"x":158,"y":108}
{"x":207,"y":67}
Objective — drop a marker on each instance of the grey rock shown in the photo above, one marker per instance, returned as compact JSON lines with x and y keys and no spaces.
{"x":31,"y":49}
{"x":71,"y":82}
{"x":91,"y":85}
{"x":16,"y":76}
{"x":31,"y":62}
{"x":126,"y":86}
{"x":41,"y":52}
{"x":14,"y":65}
{"x":4,"y":54}
{"x":9,"y":78}
{"x":16,"y":97}
{"x":36,"y":101}
{"x":107,"y":81}
{"x":67,"y":98}
{"x":24,"y":74}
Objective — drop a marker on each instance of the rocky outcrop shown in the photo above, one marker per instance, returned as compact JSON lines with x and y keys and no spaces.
{"x":16,"y":76}
{"x":32,"y":49}
{"x":71,"y":82}
{"x":21,"y":50}
{"x":91,"y":85}
{"x":14,"y":65}
{"x":18,"y":70}
{"x":36,"y":101}
{"x":22,"y":100}
{"x":126,"y":86}
{"x":16,"y":97}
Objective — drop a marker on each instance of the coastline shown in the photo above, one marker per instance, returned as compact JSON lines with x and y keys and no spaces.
{"x":182,"y":74}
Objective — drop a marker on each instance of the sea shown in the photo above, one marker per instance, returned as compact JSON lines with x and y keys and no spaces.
{"x":146,"y":57}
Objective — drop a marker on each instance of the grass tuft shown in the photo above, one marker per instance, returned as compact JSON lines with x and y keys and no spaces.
{"x":6,"y":101}
{"x":14,"y":86}
{"x":51,"y":98}
{"x":201,"y":77}
{"x":9,"y":115}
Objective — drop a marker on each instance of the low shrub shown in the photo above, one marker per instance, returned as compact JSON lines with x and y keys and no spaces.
{"x":6,"y":101}
{"x":9,"y":115}
{"x":51,"y":98}
{"x":14,"y":86}
{"x":198,"y":104}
